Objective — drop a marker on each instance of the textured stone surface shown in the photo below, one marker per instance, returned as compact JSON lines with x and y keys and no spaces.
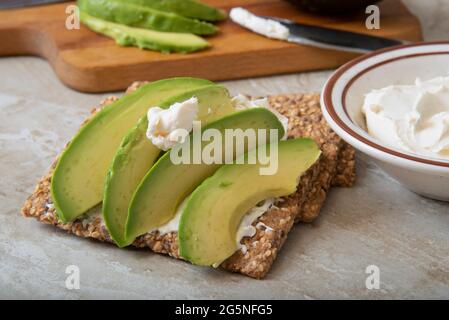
{"x":376,"y":222}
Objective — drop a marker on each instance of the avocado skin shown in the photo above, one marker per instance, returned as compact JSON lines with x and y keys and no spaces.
{"x":186,"y":8}
{"x":78,"y":179}
{"x":211,"y":217}
{"x":166,"y":42}
{"x":166,"y":185}
{"x":136,"y":156}
{"x":144,"y":17}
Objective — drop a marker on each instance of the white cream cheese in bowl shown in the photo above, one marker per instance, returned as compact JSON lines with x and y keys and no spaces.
{"x":402,"y":125}
{"x":412,"y":118}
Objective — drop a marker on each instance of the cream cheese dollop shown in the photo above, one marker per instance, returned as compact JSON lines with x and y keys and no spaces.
{"x":241,"y":102}
{"x":412,"y":118}
{"x":166,"y":126}
{"x":267,"y":27}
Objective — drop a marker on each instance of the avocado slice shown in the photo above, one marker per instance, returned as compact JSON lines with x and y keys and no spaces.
{"x":166,"y":185}
{"x":211,"y":217}
{"x":187,"y":8}
{"x":144,"y":38}
{"x":78,"y":179}
{"x":137,"y":154}
{"x":144,"y":17}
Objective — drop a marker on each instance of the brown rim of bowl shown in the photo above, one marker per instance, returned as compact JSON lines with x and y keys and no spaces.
{"x":329,"y":106}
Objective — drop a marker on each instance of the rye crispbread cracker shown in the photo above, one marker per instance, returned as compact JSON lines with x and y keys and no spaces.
{"x":336,"y":167}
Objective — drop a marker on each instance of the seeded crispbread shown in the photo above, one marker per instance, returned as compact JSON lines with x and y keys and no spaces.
{"x":336,"y":167}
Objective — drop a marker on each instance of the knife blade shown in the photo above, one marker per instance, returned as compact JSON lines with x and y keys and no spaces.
{"x":9,"y":4}
{"x":335,"y":39}
{"x":317,"y":36}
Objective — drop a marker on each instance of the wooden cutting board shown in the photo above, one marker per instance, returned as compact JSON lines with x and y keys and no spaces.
{"x":89,"y":62}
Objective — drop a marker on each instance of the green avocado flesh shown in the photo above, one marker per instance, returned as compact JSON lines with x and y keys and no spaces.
{"x":78,"y":179}
{"x":187,"y":8}
{"x":144,"y":17}
{"x":167,"y":184}
{"x":133,"y":159}
{"x":144,"y":38}
{"x":137,"y":154}
{"x":212,"y":215}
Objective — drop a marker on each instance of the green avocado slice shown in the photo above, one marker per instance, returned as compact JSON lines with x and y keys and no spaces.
{"x":167,"y":184}
{"x":211,"y":217}
{"x":137,"y":154}
{"x":144,"y":38}
{"x":144,"y":17}
{"x":78,"y":180}
{"x":187,"y":8}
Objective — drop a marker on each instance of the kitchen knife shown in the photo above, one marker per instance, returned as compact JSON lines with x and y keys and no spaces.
{"x":305,"y":34}
{"x":9,"y":4}
{"x":335,"y":39}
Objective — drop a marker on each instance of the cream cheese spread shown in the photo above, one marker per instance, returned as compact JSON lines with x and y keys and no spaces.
{"x":267,"y":27}
{"x":413,"y":118}
{"x":241,"y":102}
{"x":173,"y":224}
{"x":165,"y":126}
{"x":246,"y":228}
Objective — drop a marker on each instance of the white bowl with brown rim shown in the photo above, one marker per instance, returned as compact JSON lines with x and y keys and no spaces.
{"x":342,"y":99}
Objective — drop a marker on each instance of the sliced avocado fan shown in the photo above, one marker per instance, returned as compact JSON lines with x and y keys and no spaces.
{"x":137,"y":154}
{"x":78,"y":180}
{"x":144,"y":38}
{"x":187,"y":8}
{"x":212,"y":215}
{"x":133,"y":15}
{"x":167,"y":184}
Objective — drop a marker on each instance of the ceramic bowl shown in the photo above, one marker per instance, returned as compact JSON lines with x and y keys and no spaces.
{"x":342,"y":100}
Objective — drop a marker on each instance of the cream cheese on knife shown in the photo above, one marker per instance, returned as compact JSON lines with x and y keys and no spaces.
{"x":267,"y":27}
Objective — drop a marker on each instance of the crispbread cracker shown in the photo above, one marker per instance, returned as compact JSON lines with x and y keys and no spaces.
{"x":335,"y":167}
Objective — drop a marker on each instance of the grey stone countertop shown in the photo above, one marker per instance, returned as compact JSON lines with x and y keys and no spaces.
{"x":377,"y":222}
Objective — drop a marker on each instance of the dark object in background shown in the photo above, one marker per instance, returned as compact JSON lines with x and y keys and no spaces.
{"x":332,"y":6}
